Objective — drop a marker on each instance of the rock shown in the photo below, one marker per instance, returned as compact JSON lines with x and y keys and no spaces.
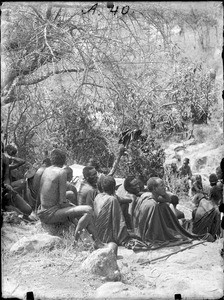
{"x":35,"y":243}
{"x":113,"y":246}
{"x":102,"y":262}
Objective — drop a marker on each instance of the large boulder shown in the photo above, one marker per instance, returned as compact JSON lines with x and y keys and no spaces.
{"x":35,"y":243}
{"x":102,"y":262}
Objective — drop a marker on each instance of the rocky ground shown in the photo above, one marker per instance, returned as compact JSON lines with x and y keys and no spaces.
{"x":57,"y":272}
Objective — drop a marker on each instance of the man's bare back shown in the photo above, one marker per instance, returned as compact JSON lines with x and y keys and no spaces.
{"x":53,"y":187}
{"x":54,"y":206}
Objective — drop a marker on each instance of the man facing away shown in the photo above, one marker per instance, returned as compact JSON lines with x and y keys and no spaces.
{"x":109,"y":219}
{"x":54,"y":207}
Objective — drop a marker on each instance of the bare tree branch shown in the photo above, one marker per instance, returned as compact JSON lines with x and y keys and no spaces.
{"x":51,"y":73}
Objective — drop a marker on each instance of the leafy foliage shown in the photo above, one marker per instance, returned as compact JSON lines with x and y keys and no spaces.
{"x":145,"y":158}
{"x":77,"y":80}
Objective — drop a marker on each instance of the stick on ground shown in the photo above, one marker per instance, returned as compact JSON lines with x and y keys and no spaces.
{"x":167,"y":255}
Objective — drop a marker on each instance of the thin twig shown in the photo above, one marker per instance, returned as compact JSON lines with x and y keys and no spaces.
{"x":167,"y":255}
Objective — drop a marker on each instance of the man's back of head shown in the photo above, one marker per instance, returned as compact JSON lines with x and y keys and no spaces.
{"x":108,"y":185}
{"x":152,"y":183}
{"x":58,"y":157}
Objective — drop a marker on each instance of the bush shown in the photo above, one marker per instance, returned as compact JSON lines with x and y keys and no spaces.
{"x":145,"y":159}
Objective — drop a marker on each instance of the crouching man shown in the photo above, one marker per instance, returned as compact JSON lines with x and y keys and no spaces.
{"x":54,"y":207}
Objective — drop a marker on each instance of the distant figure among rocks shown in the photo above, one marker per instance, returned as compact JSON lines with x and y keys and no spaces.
{"x":185,"y":173}
{"x":185,"y":170}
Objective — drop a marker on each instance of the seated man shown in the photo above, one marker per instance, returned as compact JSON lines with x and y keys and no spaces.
{"x":109,"y":219}
{"x":127,"y":193}
{"x":88,"y":188}
{"x":195,"y":201}
{"x":219,"y":173}
{"x":54,"y":208}
{"x":10,"y":197}
{"x":213,"y":179}
{"x":154,"y":221}
{"x":71,"y":191}
{"x":179,"y":214}
{"x":196,"y":184}
{"x":33,"y":181}
{"x":16,"y":181}
{"x":207,"y":215}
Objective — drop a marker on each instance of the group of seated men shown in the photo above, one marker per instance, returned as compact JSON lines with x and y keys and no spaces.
{"x":121,"y":215}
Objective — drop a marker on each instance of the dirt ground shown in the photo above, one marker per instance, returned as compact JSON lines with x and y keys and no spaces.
{"x":196,"y":273}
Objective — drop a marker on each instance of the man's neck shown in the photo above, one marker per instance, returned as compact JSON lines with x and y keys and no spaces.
{"x":91,"y":184}
{"x":155,"y":195}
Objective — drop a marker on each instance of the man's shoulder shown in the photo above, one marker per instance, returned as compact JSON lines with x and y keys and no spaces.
{"x":85,"y":187}
{"x":71,"y":186}
{"x":146,"y":195}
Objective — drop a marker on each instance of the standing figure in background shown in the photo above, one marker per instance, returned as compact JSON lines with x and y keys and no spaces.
{"x":185,"y":173}
{"x":185,"y":170}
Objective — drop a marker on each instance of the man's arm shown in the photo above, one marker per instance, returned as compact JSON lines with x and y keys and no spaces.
{"x":62,"y":186}
{"x":16,"y":162}
{"x":189,"y":173}
{"x":6,"y":176}
{"x":164,"y":198}
{"x":117,"y":160}
{"x":91,"y":195}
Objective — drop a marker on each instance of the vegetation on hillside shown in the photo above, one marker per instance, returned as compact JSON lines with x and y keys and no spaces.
{"x":77,"y":80}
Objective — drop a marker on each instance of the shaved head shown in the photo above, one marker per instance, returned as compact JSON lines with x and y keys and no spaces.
{"x":155,"y":185}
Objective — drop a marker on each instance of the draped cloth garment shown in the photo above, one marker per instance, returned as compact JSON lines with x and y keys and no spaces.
{"x":156,"y":223}
{"x":209,"y":222}
{"x":109,"y":219}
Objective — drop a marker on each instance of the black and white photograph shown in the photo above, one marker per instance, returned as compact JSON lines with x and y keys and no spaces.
{"x":112,"y":150}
